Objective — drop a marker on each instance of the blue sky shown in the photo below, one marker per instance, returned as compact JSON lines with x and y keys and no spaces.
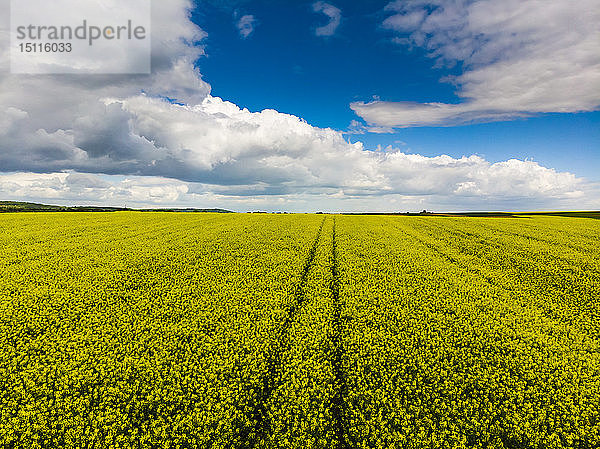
{"x":285,"y":66}
{"x":300,"y":106}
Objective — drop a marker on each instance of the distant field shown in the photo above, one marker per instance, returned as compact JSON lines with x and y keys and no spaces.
{"x":128,"y":329}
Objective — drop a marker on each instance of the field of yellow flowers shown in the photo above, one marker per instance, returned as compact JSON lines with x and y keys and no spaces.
{"x":182,"y":330}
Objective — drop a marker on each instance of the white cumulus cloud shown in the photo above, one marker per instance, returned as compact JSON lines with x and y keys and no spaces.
{"x":519,"y":57}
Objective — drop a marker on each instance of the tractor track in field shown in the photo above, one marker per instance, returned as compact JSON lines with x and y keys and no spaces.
{"x":490,"y":280}
{"x":338,"y":403}
{"x":436,"y":249}
{"x":258,"y":425}
{"x":493,"y":243}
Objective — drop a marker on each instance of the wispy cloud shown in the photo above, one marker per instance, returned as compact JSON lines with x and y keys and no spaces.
{"x":520,"y":57}
{"x":335,"y":17}
{"x":246,"y":25}
{"x":357,"y":127}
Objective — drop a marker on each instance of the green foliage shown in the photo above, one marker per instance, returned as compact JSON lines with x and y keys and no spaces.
{"x":181,"y":330}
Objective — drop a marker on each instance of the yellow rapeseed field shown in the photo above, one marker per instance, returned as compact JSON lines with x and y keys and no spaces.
{"x":182,"y":330}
